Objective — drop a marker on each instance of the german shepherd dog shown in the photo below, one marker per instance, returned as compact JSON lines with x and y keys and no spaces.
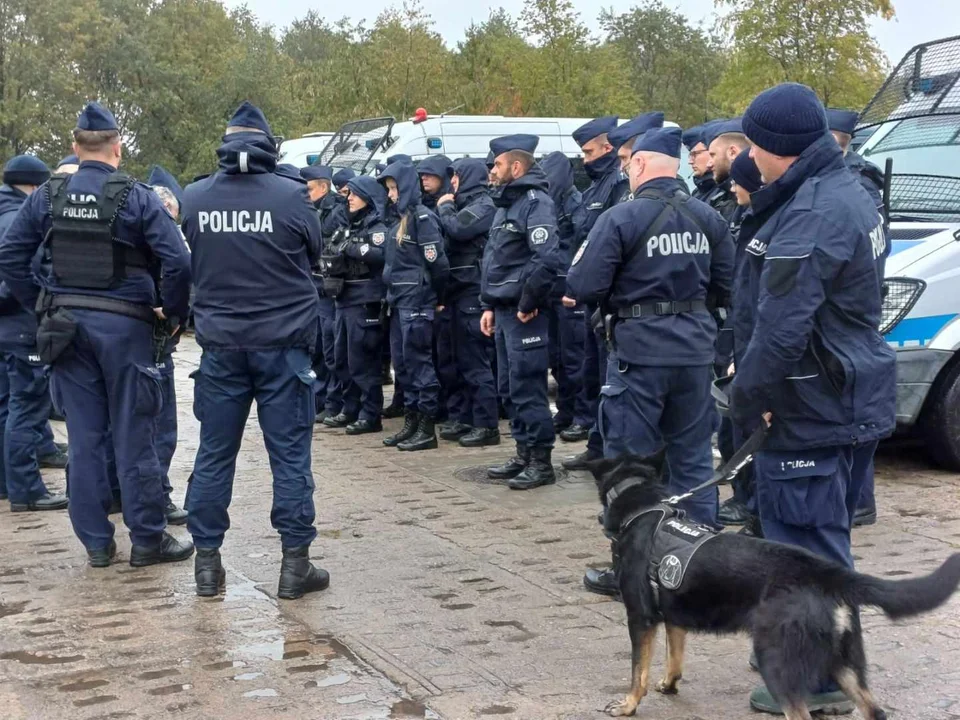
{"x":801,"y":610}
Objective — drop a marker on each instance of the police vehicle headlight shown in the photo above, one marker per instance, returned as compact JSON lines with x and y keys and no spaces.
{"x":900,"y":294}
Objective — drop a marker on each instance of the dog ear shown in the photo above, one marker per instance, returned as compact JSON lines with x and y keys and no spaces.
{"x":601,"y":467}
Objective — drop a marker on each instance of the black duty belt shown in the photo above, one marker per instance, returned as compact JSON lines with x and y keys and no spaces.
{"x":665,"y":307}
{"x":111,"y":305}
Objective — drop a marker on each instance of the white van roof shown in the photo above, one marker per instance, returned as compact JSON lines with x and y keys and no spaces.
{"x":302,"y":151}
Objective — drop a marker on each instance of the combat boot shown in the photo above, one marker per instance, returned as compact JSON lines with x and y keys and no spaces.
{"x":581,"y":461}
{"x":479,"y":437}
{"x":539,"y":471}
{"x":298,"y":576}
{"x":410,"y":422}
{"x":209,"y":573}
{"x":607,"y":580}
{"x":168,"y":550}
{"x":424,"y":439}
{"x":512,"y":467}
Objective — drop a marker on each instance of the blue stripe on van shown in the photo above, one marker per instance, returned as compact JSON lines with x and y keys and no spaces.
{"x":898,"y":246}
{"x":917,"y":331}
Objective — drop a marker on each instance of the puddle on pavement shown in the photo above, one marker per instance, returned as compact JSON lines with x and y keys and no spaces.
{"x":248,"y":676}
{"x":29,"y":658}
{"x":157,"y":674}
{"x":265,"y":692}
{"x":338,"y":679}
{"x":83,"y":685}
{"x":224,"y":664}
{"x":307,"y":668}
{"x":12,"y":609}
{"x":407,"y":708}
{"x":95,"y":700}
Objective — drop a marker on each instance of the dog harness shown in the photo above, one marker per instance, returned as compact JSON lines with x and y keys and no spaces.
{"x":675,"y":542}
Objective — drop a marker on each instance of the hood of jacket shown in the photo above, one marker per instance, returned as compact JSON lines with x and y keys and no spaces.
{"x":247,"y":153}
{"x":506,"y":195}
{"x":408,"y":184}
{"x":823,"y":156}
{"x":10,"y":199}
{"x":473,"y":178}
{"x":559,"y":171}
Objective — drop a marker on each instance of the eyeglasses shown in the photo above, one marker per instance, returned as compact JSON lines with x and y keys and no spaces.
{"x":694,"y":153}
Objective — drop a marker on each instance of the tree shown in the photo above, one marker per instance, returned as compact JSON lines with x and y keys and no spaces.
{"x":825,"y":44}
{"x":672,"y":64}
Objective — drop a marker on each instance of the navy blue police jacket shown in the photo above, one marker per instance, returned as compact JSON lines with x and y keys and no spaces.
{"x":362,"y":241}
{"x":814,"y":356}
{"x":870,"y":178}
{"x":254,"y":236}
{"x":466,"y":225}
{"x":690,"y":258}
{"x":571,"y":213}
{"x":18,"y":325}
{"x":704,"y":185}
{"x":416,"y":268}
{"x":522,"y":257}
{"x":332,"y":211}
{"x":142,"y":222}
{"x":608,"y":185}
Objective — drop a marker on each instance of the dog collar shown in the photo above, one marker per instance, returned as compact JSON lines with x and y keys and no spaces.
{"x":620,"y":488}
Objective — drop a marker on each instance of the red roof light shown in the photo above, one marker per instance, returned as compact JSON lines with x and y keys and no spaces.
{"x":420,"y":115}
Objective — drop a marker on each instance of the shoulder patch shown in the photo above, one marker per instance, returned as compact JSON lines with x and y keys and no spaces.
{"x":364,"y":249}
{"x":430,"y":252}
{"x":378,"y":238}
{"x":532,"y":194}
{"x":539,"y":235}
{"x":423,"y":217}
{"x":576,"y":258}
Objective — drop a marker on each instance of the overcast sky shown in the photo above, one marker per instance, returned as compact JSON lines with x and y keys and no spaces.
{"x":917,"y":20}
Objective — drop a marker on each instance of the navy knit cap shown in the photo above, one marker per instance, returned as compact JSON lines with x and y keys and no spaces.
{"x":96,"y":117}
{"x":744,"y":172}
{"x":635,"y":127}
{"x":249,"y":115}
{"x":509,"y":143}
{"x":785,"y":120}
{"x":342,"y":177}
{"x":25,"y":170}
{"x":691,"y":137}
{"x":589,"y":130}
{"x":665,"y":141}
{"x":160,"y":177}
{"x":715,"y":129}
{"x":843,"y":121}
{"x":69,"y":160}
{"x":317,"y":172}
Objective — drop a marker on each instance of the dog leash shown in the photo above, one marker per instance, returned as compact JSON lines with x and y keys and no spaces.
{"x":741,"y":458}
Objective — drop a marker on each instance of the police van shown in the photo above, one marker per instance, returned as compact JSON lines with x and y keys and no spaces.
{"x":303,"y":151}
{"x":363,"y":144}
{"x":915,"y":124}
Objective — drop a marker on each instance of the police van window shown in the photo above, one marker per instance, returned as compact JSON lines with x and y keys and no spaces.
{"x":921,"y":132}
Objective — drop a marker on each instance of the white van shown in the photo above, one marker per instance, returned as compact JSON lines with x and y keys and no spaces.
{"x":363,"y":144}
{"x":916,"y":122}
{"x":305,"y":150}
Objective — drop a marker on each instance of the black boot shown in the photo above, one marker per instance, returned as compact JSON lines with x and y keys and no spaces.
{"x":175,"y":515}
{"x":575,"y":433}
{"x":579,"y":462}
{"x":424,"y":439}
{"x":539,"y":471}
{"x":57,"y":459}
{"x":454,"y":430}
{"x":752,"y":527}
{"x":864,"y":516}
{"x":209,"y":573}
{"x":46,"y":502}
{"x":362,"y":427}
{"x":338,"y":421}
{"x":103,"y":557}
{"x":606,"y":581}
{"x":478,"y":437}
{"x":395,"y":409}
{"x":512,"y":467}
{"x":733,"y":512}
{"x":409,"y":429}
{"x":169,"y":549}
{"x":298,"y":576}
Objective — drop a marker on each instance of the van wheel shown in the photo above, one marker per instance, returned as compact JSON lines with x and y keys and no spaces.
{"x":942,"y":421}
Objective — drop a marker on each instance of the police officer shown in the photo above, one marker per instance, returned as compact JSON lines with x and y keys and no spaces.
{"x":465,"y":218}
{"x":568,"y":329}
{"x":26,"y":441}
{"x":171,"y":194}
{"x":724,"y":141}
{"x":842,"y":124}
{"x":254,"y":235}
{"x":105,"y":234}
{"x":699,"y":159}
{"x":607,"y":186}
{"x":415,"y":273}
{"x":436,"y":173}
{"x":353,"y":263}
{"x":520,"y":266}
{"x":622,"y":138}
{"x":341,"y":178}
{"x":658,"y":264}
{"x":814,"y":359}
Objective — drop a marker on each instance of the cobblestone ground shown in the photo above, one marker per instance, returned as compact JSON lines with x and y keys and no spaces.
{"x":450,"y":597}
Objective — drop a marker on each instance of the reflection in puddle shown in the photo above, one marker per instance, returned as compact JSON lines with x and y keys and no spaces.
{"x":265,"y":692}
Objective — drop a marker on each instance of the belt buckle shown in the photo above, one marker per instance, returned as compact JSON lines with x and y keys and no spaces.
{"x":663,"y":307}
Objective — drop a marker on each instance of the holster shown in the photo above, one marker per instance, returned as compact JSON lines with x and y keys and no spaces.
{"x":56,"y":330}
{"x":333,"y":286}
{"x":609,"y":325}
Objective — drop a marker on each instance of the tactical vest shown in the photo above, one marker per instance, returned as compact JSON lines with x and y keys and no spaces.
{"x":82,"y":241}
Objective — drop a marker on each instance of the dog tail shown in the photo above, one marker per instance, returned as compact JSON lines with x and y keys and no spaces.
{"x":903,"y":598}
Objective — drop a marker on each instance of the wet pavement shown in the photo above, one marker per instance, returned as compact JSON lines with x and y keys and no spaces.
{"x":451,"y":597}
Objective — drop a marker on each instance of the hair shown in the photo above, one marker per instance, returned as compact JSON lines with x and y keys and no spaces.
{"x":95,"y":141}
{"x":402,"y":228}
{"x":525,"y":159}
{"x":738,"y":139}
{"x":166,"y":196}
{"x":241,"y":129}
{"x":843,"y":139}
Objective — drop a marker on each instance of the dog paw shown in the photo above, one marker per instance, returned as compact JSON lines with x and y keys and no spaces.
{"x":667,"y":687}
{"x":621,"y":708}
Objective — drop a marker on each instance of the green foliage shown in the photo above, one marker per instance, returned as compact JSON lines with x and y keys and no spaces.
{"x":173,"y":70}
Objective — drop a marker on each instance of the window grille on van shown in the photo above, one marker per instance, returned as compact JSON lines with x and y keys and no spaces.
{"x":926,"y":197}
{"x":355,"y":143}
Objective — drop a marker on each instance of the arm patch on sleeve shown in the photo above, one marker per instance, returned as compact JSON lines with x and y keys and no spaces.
{"x":467,"y":216}
{"x":539,"y":235}
{"x":782,"y":274}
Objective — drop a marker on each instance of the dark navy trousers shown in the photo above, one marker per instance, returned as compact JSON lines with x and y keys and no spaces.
{"x":595,"y":362}
{"x":99,"y":388}
{"x":522,"y":361}
{"x":24,"y":423}
{"x":807,"y":498}
{"x":862,"y":471}
{"x":225,"y":386}
{"x":165,"y":425}
{"x":411,"y":347}
{"x":643,"y":409}
{"x":454,"y":398}
{"x":358,"y":355}
{"x":329,"y":392}
{"x":473,"y":350}
{"x":568,"y":336}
